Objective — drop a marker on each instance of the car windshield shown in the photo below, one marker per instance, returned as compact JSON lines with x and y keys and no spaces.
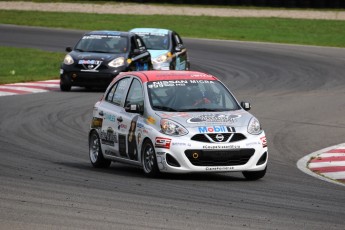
{"x":102,"y":44}
{"x":190,"y":95}
{"x":155,"y":41}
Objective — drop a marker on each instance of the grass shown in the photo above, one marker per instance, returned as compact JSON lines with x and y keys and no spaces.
{"x":278,"y":30}
{"x":22,"y":65}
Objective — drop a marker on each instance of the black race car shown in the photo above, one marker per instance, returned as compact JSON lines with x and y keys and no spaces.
{"x":99,"y":56}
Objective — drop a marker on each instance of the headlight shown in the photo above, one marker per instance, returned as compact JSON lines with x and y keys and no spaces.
{"x":68,"y":60}
{"x":162,"y":58}
{"x":117,"y":62}
{"x":172,"y":128}
{"x":254,"y":126}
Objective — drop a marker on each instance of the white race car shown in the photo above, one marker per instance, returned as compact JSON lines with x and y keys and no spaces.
{"x":176,"y":122}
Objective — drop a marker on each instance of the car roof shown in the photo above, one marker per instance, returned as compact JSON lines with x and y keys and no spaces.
{"x":108,"y":32}
{"x":150,"y":30}
{"x":166,"y":75}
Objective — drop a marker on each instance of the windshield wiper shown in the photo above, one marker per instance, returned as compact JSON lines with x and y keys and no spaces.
{"x":80,"y":50}
{"x":164,"y":108}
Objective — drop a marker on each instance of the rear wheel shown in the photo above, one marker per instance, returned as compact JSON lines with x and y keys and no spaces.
{"x":149,"y":160}
{"x":254,"y":175}
{"x":65,"y":83}
{"x":95,"y":152}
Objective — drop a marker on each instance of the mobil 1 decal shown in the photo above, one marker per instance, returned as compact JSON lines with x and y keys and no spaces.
{"x":216,"y":129}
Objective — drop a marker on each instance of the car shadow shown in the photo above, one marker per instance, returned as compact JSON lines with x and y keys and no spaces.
{"x":121,"y":169}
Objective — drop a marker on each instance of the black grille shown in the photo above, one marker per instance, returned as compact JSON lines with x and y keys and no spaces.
{"x":213,"y":137}
{"x":219,"y":157}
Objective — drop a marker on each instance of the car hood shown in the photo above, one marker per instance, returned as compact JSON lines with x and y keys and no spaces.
{"x":157,"y":53}
{"x":95,"y":56}
{"x":237,"y":118}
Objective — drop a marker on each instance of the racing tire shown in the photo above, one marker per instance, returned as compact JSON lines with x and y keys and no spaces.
{"x":95,"y":152}
{"x":65,"y":84}
{"x":149,"y":160}
{"x":254,"y":175}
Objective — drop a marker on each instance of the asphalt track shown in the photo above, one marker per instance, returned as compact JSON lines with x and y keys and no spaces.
{"x":297,"y":92}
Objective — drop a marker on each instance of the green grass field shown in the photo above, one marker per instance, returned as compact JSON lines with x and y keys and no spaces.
{"x":277,"y":30}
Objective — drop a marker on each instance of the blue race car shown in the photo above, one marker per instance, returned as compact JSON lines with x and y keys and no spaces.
{"x":166,"y":48}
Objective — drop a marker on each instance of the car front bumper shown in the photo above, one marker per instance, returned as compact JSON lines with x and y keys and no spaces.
{"x":185,"y":156}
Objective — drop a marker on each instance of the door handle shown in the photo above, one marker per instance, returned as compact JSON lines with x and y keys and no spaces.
{"x":119,"y":119}
{"x":101,"y":113}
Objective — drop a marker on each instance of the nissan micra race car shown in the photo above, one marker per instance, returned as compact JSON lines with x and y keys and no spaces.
{"x":166,"y":48}
{"x":99,"y":56}
{"x":176,"y":122}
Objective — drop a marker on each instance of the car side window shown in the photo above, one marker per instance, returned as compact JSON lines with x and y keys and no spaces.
{"x":178,"y":39}
{"x":120,"y":91}
{"x":135,"y":94}
{"x":110,"y":95}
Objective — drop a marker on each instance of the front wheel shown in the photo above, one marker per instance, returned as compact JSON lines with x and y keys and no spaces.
{"x":65,"y":83}
{"x":254,"y":175}
{"x":149,"y":160}
{"x":95,"y":152}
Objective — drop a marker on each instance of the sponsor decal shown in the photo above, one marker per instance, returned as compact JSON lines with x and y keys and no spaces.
{"x":162,"y":142}
{"x":221,"y":146}
{"x":150,"y":120}
{"x":181,"y":144}
{"x":214,"y":118}
{"x":158,"y":84}
{"x":160,"y":153}
{"x":200,"y":75}
{"x":178,"y":114}
{"x":201,"y":81}
{"x":220,"y":168}
{"x":253,"y":143}
{"x":212,"y":129}
{"x":96,"y":123}
{"x":109,"y":137}
{"x":140,"y":125}
{"x":122,"y":126}
{"x":264,"y":142}
{"x":109,"y":117}
{"x":89,"y":62}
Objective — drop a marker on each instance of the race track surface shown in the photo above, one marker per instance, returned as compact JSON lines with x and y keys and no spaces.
{"x":297,"y":92}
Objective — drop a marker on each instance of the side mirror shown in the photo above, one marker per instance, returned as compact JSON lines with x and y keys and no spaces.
{"x":245,"y":105}
{"x":136,"y":51}
{"x":179,"y":48}
{"x":134,"y":108}
{"x":68,"y":49}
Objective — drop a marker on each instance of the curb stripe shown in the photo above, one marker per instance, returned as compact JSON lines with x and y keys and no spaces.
{"x":34,"y":87}
{"x":327,"y":159}
{"x":323,"y":164}
{"x":336,"y":151}
{"x":29,"y":87}
{"x":339,"y":169}
{"x":15,"y":91}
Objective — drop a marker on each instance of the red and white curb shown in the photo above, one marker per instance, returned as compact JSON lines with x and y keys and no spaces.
{"x":29,"y":87}
{"x":326,"y":164}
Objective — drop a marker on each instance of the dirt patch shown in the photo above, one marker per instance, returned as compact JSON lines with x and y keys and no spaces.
{"x":150,"y":9}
